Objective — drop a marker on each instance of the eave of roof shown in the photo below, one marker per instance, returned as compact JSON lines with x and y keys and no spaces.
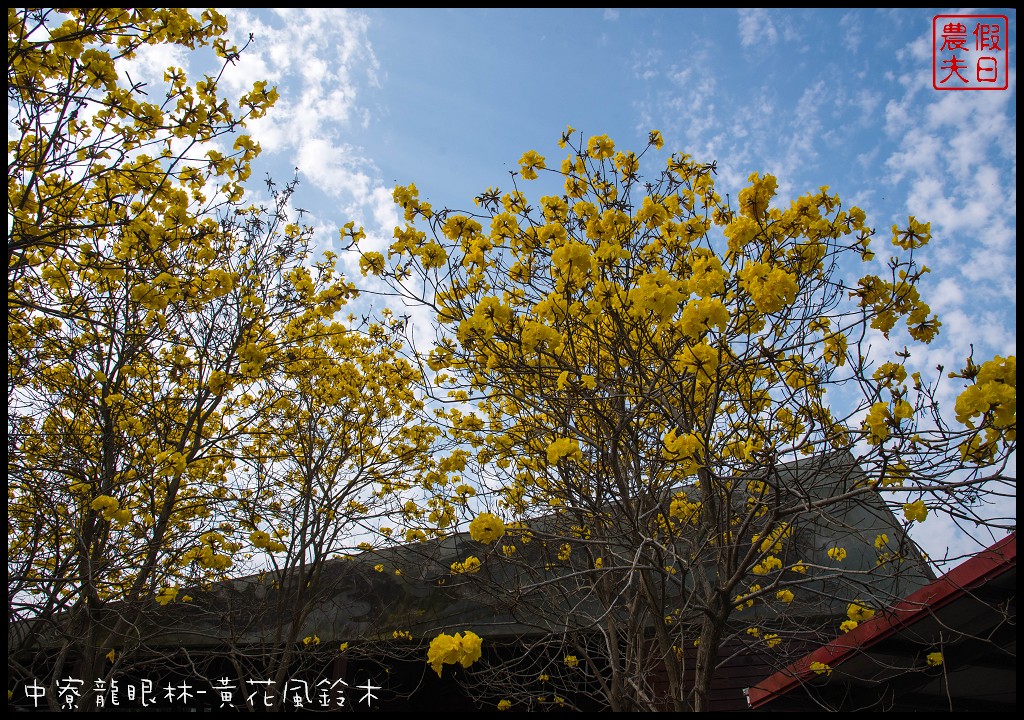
{"x":972,"y":573}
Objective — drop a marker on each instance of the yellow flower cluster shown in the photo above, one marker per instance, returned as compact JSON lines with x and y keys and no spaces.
{"x":486,"y":528}
{"x":109,"y":509}
{"x":915,"y":511}
{"x":207,"y":555}
{"x":469,"y":566}
{"x":371,"y":263}
{"x":890,"y":374}
{"x":916,"y":234}
{"x":700,"y":359}
{"x":683,"y":510}
{"x":769,"y":286}
{"x":767,"y":565}
{"x":746,"y":600}
{"x":660,"y":295}
{"x":529,"y":163}
{"x":897,"y":473}
{"x":264,"y":541}
{"x":166,"y":595}
{"x":773,"y":540}
{"x":684,"y":448}
{"x":820,"y":668}
{"x":564,"y":448}
{"x":993,"y":396}
{"x":463,"y":648}
{"x":600,"y":147}
{"x":889,"y":301}
{"x":994,"y":390}
{"x":755,"y":198}
{"x":537,"y":337}
{"x":859,"y":613}
{"x":877,"y":423}
{"x":703,"y":314}
{"x":171,"y":463}
{"x":835,"y":349}
{"x":571,"y":262}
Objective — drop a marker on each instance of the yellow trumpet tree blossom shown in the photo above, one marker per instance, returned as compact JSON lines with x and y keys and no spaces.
{"x":184,"y":404}
{"x":333,"y":453}
{"x":126,"y":311}
{"x":642,"y":355}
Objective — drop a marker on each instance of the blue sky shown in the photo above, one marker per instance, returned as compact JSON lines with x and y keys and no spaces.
{"x":450,"y":99}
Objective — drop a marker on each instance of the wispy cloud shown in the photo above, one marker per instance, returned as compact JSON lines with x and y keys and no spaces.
{"x":756,"y":27}
{"x":852,"y":31}
{"x":960,"y":176}
{"x":320,"y":76}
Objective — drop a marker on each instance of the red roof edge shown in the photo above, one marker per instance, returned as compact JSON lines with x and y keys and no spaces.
{"x":986,"y":565}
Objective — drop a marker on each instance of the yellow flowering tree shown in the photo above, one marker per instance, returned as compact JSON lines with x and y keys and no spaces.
{"x":121,"y":288}
{"x":322,"y":469}
{"x":129,"y":430}
{"x":98,"y":153}
{"x":642,"y":356}
{"x":184,"y":403}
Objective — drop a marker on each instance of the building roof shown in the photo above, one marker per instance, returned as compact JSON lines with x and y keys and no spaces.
{"x":352,"y":598}
{"x":968,"y":614}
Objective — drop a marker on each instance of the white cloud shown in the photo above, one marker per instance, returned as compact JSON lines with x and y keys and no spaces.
{"x":151,"y":61}
{"x":322,"y":62}
{"x":989,"y":268}
{"x":919,"y":153}
{"x":947,"y":296}
{"x":647,"y":66}
{"x":335,"y":168}
{"x":897,"y":116}
{"x":852,"y":31}
{"x":692,"y":111}
{"x":978,"y":328}
{"x":319,"y":74}
{"x":952,"y":152}
{"x":384,"y":209}
{"x":756,"y":27}
{"x":791,"y":35}
{"x":611,"y":14}
{"x":796,"y":148}
{"x":918,"y":50}
{"x":867,"y":103}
